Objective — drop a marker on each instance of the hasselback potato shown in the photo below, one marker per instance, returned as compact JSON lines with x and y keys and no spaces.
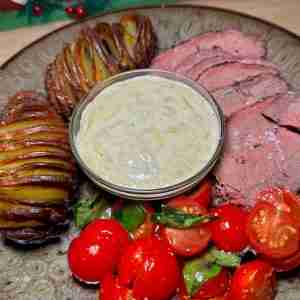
{"x":97,"y":54}
{"x":37,"y":170}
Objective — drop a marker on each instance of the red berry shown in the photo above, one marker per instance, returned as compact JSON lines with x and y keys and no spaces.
{"x":81,"y":12}
{"x":37,"y":10}
{"x":69,"y":10}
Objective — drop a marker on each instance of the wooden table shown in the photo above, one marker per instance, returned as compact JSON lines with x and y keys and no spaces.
{"x":281,"y":12}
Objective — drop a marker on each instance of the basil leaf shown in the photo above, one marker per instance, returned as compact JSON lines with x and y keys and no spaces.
{"x":86,"y":210}
{"x":176,"y":218}
{"x":226,"y":259}
{"x":196,"y":272}
{"x":131,"y":216}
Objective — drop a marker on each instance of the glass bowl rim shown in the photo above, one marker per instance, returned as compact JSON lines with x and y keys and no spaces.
{"x":76,"y":118}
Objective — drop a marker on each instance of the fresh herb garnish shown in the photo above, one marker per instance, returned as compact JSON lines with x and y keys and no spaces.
{"x":131,"y":216}
{"x":197,"y":271}
{"x":176,"y":218}
{"x":86,"y":210}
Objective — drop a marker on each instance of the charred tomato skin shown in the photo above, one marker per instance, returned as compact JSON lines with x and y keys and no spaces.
{"x":272,"y":232}
{"x":254,"y":280}
{"x":229,"y":229}
{"x":145,"y":262}
{"x":191,"y":241}
{"x":97,"y":250}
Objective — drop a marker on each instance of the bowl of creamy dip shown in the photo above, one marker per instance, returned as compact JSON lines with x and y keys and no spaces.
{"x":147,"y":134}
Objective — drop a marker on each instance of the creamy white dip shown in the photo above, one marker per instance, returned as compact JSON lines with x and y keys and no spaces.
{"x":147,"y":132}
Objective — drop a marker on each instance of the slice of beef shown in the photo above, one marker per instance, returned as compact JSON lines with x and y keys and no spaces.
{"x":233,"y":42}
{"x":285,"y":110}
{"x":236,"y":98}
{"x":229,"y":74}
{"x":257,"y":154}
{"x":202,"y":56}
{"x":198,"y":69}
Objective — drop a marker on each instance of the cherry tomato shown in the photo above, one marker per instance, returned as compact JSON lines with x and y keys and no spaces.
{"x":229,"y":230}
{"x":214,"y":287}
{"x":187,"y":242}
{"x":283,"y":200}
{"x":150,"y":269}
{"x":272,"y":232}
{"x":97,"y":250}
{"x":187,"y":205}
{"x":144,"y":230}
{"x":285,"y":264}
{"x":202,"y":193}
{"x":111,"y":289}
{"x":254,"y":280}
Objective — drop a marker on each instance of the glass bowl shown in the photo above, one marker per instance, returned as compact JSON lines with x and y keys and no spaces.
{"x":153,"y":193}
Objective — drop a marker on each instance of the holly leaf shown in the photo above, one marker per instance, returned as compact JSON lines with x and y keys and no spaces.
{"x":175,"y":218}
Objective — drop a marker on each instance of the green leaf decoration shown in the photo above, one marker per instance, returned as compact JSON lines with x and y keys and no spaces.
{"x":131,"y":216}
{"x":226,"y":259}
{"x":197,"y":271}
{"x":87,"y":210}
{"x":176,"y":218}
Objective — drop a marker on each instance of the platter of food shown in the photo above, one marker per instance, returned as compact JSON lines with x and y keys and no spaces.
{"x":197,"y":107}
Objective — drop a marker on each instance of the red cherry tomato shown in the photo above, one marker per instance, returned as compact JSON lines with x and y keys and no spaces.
{"x":111,"y":289}
{"x":272,"y":232}
{"x":144,"y":230}
{"x":285,"y":264}
{"x":150,"y":269}
{"x":187,"y":242}
{"x":229,"y":230}
{"x":214,"y":287}
{"x":187,"y":205}
{"x":253,"y":281}
{"x":202,"y":193}
{"x":97,"y":250}
{"x":283,"y":200}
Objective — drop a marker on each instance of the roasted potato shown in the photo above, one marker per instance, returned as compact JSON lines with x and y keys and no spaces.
{"x":37,"y":169}
{"x":97,"y":54}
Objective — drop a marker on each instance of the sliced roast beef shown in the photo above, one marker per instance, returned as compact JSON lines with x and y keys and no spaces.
{"x":236,"y":98}
{"x":201,"y":57}
{"x":257,"y":154}
{"x":198,"y":69}
{"x":285,"y":110}
{"x":229,"y":74}
{"x":232,"y":42}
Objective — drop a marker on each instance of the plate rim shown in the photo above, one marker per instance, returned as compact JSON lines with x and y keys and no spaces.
{"x":4,"y":64}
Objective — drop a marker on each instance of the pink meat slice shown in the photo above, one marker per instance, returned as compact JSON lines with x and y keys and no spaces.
{"x":257,"y":154}
{"x":229,"y":74}
{"x":202,"y":56}
{"x":285,"y":110}
{"x":232,"y":42}
{"x":237,"y":98}
{"x":198,"y":69}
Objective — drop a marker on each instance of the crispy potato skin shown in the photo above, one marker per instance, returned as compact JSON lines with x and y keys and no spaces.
{"x":37,"y":169}
{"x":98,"y":53}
